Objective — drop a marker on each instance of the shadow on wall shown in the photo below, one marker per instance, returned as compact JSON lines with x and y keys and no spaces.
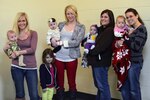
{"x":6,"y":83}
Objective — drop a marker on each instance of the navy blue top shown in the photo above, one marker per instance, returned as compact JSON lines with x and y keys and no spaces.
{"x":46,"y":78}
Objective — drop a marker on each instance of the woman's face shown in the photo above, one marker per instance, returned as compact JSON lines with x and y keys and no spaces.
{"x":70,"y":14}
{"x":104,"y":20}
{"x":131,"y":18}
{"x":22,"y":23}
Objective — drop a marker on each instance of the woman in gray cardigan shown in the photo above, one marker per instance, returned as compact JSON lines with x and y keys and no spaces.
{"x":72,"y":33}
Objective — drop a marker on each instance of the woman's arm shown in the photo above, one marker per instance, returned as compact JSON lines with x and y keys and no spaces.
{"x":34,"y":40}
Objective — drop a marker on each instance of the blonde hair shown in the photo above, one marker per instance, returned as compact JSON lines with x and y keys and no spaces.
{"x":15,"y":25}
{"x":72,"y":7}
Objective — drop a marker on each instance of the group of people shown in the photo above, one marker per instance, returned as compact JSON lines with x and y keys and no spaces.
{"x":65,"y":39}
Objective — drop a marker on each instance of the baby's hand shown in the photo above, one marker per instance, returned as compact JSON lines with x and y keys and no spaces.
{"x":54,"y":42}
{"x":17,"y":53}
{"x":13,"y":55}
{"x":119,"y":43}
{"x":130,"y":31}
{"x":59,"y":43}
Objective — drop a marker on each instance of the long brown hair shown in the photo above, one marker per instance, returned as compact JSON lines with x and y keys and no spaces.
{"x":111,"y":17}
{"x":135,"y":13}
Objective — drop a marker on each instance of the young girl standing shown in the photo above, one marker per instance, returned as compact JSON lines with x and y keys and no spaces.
{"x":47,"y":75}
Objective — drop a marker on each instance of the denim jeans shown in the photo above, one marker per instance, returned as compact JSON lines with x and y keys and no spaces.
{"x":18,"y":76}
{"x":100,"y":75}
{"x":131,"y":88}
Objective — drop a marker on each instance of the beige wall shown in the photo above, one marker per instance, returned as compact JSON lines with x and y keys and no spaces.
{"x":89,"y":10}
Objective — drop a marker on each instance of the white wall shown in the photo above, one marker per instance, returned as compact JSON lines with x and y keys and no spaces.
{"x":89,"y":10}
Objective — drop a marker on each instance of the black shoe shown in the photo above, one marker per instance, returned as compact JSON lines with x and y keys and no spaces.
{"x":60,"y":95}
{"x":73,"y":95}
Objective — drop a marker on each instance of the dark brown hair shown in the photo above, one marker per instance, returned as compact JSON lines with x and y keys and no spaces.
{"x":135,"y":13}
{"x":111,"y":17}
{"x":46,"y":52}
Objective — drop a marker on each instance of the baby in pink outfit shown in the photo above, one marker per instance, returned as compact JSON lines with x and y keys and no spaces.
{"x":121,"y":55}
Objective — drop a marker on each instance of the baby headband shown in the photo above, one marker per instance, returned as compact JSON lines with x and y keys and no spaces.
{"x":52,"y":20}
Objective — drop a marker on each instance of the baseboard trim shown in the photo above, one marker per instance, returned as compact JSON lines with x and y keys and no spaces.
{"x":82,"y":96}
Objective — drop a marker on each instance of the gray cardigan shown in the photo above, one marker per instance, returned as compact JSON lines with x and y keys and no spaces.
{"x":74,"y":42}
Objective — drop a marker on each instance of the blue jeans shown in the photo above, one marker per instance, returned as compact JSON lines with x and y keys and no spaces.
{"x":100,"y":75}
{"x":18,"y":76}
{"x":131,"y":88}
